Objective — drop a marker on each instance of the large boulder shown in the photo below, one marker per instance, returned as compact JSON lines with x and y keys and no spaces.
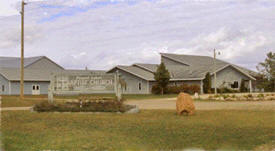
{"x":185,"y":104}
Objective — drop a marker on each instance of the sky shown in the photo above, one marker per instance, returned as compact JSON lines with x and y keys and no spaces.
{"x":100,"y":34}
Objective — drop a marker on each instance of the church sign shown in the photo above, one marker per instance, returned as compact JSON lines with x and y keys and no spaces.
{"x":72,"y":84}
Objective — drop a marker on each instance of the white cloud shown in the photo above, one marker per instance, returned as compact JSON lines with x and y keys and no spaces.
{"x":123,"y":33}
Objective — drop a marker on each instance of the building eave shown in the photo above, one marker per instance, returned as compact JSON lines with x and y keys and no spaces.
{"x":130,"y":73}
{"x":140,"y":66}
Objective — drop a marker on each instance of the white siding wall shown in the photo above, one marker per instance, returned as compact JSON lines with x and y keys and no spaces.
{"x":4,"y":82}
{"x":15,"y":87}
{"x":227,"y":76}
{"x":132,"y":84}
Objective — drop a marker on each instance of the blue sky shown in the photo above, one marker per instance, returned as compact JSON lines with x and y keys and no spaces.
{"x":100,"y":34}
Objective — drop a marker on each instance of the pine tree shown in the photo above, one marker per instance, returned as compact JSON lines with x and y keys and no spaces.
{"x":162,"y":77}
{"x":207,"y":83}
{"x":267,"y":71}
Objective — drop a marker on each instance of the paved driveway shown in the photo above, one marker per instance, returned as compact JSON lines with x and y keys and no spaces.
{"x":200,"y":105}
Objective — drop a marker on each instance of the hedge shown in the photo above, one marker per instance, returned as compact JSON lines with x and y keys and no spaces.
{"x":191,"y":89}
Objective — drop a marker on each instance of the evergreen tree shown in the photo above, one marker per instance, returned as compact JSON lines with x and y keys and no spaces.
{"x":267,"y":71}
{"x":162,"y":77}
{"x":207,"y":83}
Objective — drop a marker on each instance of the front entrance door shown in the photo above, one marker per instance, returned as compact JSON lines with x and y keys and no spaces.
{"x":35,"y":89}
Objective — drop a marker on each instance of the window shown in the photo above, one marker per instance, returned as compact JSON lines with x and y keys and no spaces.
{"x":235,"y":84}
{"x":3,"y":88}
{"x":139,"y":86}
{"x":35,"y":87}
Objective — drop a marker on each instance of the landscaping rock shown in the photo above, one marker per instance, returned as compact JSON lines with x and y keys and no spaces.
{"x":133,"y":110}
{"x":185,"y":104}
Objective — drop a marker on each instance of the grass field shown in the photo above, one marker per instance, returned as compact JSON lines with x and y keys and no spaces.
{"x":14,"y":101}
{"x":148,"y":130}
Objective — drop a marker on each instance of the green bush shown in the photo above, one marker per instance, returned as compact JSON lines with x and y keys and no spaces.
{"x":191,"y":89}
{"x":81,"y":106}
{"x":225,"y":90}
{"x":260,"y":95}
{"x":157,"y":89}
{"x":225,"y":96}
{"x":194,"y":88}
{"x":249,"y":95}
{"x":216,"y":96}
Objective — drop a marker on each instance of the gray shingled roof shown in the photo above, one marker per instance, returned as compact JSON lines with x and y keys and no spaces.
{"x":204,"y":63}
{"x":197,"y":61}
{"x":177,"y":72}
{"x":13,"y":74}
{"x":192,"y":68}
{"x":136,"y":71}
{"x":14,"y":62}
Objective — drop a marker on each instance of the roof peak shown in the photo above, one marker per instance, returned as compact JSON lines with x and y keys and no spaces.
{"x":184,"y":55}
{"x":145,"y":64}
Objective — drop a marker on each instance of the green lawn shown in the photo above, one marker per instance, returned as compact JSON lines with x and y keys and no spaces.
{"x":14,"y":101}
{"x":148,"y":130}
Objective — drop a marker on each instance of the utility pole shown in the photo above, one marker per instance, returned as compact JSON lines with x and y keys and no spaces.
{"x":215,"y":75}
{"x":215,"y":72}
{"x":22,"y":52}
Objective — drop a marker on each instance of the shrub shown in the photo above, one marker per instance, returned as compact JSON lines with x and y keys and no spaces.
{"x":184,"y":87}
{"x":225,"y":90}
{"x":225,"y":96}
{"x":83,"y":106}
{"x":191,"y":89}
{"x":216,"y":96}
{"x":157,"y":89}
{"x":249,"y":95}
{"x":260,"y":95}
{"x":194,"y":88}
{"x":174,"y":89}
